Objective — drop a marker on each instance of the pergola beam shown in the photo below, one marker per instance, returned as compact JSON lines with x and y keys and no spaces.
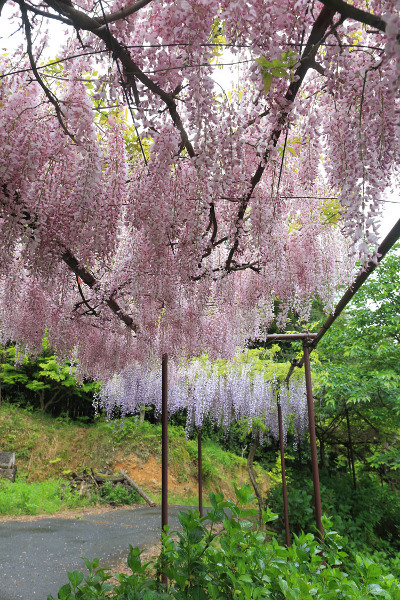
{"x":289,"y":336}
{"x":388,"y":243}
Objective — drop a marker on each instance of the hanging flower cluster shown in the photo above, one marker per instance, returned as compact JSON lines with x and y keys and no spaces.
{"x":143,"y":209}
{"x":205,"y":392}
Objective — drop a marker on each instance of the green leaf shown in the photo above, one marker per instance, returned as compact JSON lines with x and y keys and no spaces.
{"x":75,"y":577}
{"x":263,"y":62}
{"x":246,"y":578}
{"x":65,"y":592}
{"x":87,"y":561}
{"x":279,"y":72}
{"x":151,"y":595}
{"x":268,"y":515}
{"x":197,"y":593}
{"x":195,"y":535}
{"x":376,"y":590}
{"x":267,"y":81}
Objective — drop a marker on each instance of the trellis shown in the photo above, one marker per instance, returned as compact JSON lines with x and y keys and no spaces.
{"x":309,"y":344}
{"x":310,"y":341}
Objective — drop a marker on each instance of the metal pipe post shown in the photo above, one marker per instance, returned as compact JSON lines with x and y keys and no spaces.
{"x":385,"y":246}
{"x":313,"y":441}
{"x":200,"y":470}
{"x":164,"y":442}
{"x":271,"y":337}
{"x":284,"y":487}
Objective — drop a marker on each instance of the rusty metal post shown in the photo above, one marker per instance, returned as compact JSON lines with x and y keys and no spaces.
{"x":164,"y":442}
{"x":313,"y":441}
{"x":284,"y":487}
{"x":200,"y":470}
{"x":164,"y":450}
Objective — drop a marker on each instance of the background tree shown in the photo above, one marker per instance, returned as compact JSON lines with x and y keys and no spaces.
{"x":358,"y":378}
{"x":45,"y":384}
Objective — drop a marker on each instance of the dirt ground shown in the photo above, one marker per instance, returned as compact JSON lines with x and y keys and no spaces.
{"x":72,"y":513}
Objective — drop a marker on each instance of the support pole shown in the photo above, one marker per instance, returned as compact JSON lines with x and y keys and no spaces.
{"x":164,"y":451}
{"x":284,"y":487}
{"x":389,"y":241}
{"x":164,"y":442}
{"x":200,"y":470}
{"x":313,"y":441}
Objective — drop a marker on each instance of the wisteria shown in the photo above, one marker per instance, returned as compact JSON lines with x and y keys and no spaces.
{"x":204,"y":391}
{"x":147,"y":208}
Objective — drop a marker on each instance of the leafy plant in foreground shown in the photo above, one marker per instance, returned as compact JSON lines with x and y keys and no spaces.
{"x":224,"y":557}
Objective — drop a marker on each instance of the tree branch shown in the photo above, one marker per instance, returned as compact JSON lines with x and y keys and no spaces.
{"x":125,"y":12}
{"x":351,"y":12}
{"x":131,"y":69}
{"x":73,"y":264}
{"x":49,"y":95}
{"x":91,"y":281}
{"x":85,"y":302}
{"x":253,"y":479}
{"x":49,"y":15}
{"x":317,"y":36}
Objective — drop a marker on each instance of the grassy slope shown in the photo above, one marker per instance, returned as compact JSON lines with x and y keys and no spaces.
{"x":48,"y":448}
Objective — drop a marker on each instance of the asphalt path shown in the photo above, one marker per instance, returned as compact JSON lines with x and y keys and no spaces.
{"x":35,"y":556}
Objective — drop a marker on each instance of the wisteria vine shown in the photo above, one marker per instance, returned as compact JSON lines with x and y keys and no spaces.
{"x":144,"y":210}
{"x":204,"y":392}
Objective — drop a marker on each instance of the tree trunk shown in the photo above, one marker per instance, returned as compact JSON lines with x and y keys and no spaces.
{"x":351,"y":453}
{"x":53,"y":400}
{"x":322,"y":452}
{"x":253,"y":480}
{"x":41,"y":400}
{"x":138,"y":489}
{"x":299,"y":454}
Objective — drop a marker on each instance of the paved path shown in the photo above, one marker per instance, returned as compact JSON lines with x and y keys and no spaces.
{"x":35,"y":556}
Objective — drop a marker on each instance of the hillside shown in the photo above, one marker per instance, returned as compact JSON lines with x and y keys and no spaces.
{"x":48,"y":448}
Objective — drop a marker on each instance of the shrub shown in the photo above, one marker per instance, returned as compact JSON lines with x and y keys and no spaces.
{"x":118,"y":494}
{"x":236,"y":562}
{"x":368,"y":518}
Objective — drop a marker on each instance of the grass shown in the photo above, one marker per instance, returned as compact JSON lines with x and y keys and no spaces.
{"x":48,"y":450}
{"x":22,"y":498}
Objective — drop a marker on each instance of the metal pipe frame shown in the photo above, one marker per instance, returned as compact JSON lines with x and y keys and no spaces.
{"x":313,"y":441}
{"x":290,"y":336}
{"x":200,"y":470}
{"x":164,"y":442}
{"x":309,"y":346}
{"x":164,"y":450}
{"x":283,"y":467}
{"x":389,"y":241}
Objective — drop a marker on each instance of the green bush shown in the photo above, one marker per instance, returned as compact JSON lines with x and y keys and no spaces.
{"x":237,"y":562}
{"x":118,"y":494}
{"x":368,"y":518}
